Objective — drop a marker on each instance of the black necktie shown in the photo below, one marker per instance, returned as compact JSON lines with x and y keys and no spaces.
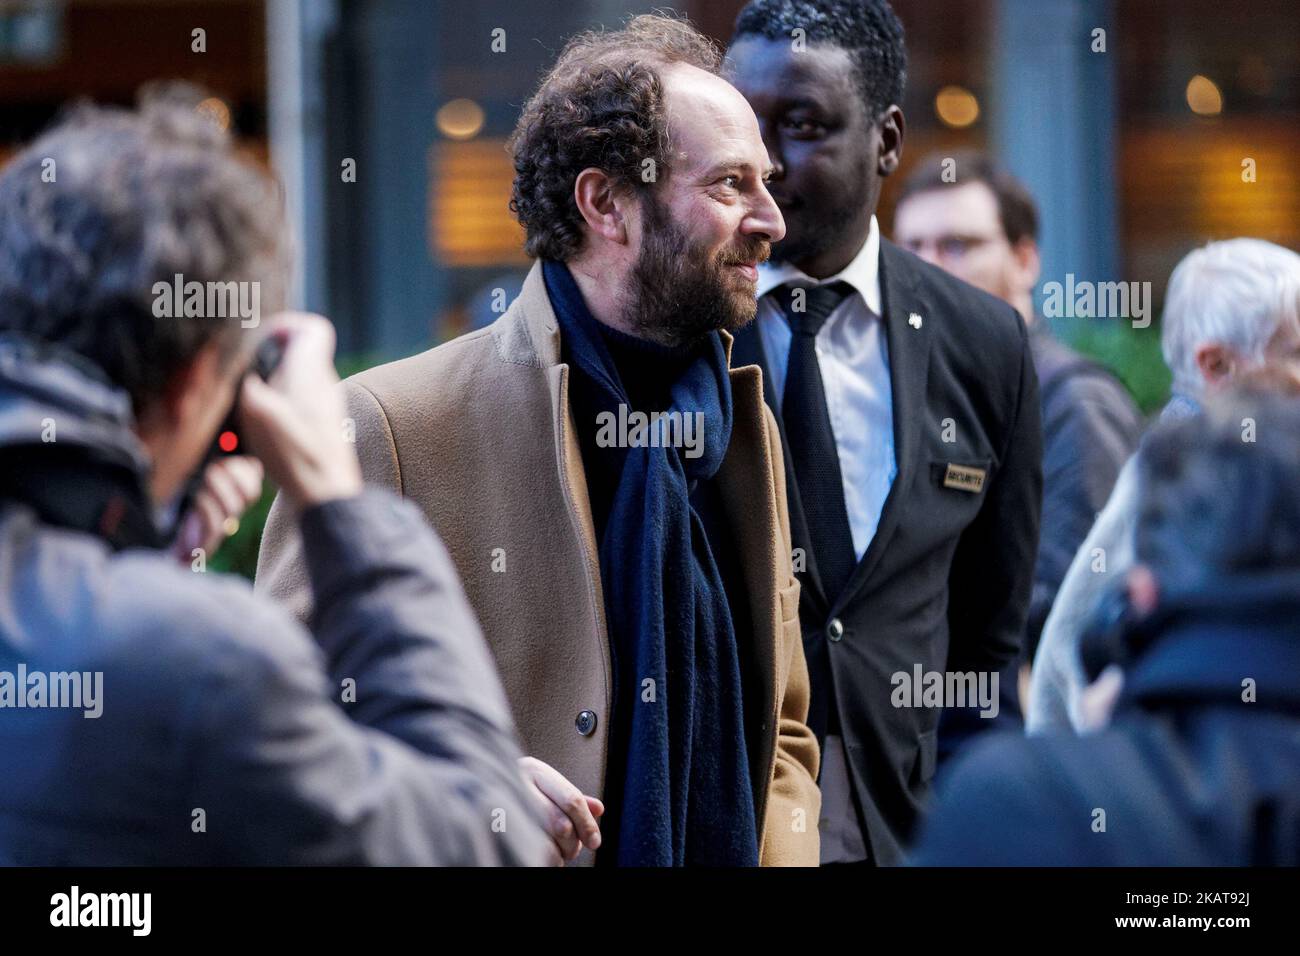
{"x":812,"y":441}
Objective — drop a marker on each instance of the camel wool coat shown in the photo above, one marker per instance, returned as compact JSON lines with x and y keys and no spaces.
{"x":479,"y":433}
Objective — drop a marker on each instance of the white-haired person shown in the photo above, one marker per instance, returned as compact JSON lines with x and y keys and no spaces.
{"x":1231,"y":307}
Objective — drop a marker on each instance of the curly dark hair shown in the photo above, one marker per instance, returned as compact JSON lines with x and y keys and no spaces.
{"x":867,"y":29}
{"x":601,"y":106}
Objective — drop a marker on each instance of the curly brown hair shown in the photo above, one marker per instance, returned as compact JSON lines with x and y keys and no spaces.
{"x":601,"y":106}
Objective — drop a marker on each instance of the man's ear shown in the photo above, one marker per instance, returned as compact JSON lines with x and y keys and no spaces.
{"x":1028,"y":261}
{"x":601,"y":205}
{"x":192,"y":385}
{"x":1143,"y":591}
{"x":1216,"y":363}
{"x":892,"y":128}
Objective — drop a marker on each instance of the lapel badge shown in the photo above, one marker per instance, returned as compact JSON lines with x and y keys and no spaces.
{"x":914,"y":320}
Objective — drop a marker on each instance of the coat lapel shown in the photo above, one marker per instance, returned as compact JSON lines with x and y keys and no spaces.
{"x":534,"y":339}
{"x":757,"y":536}
{"x":903,"y":304}
{"x":748,"y":350}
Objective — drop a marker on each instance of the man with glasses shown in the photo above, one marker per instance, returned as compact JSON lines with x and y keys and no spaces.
{"x":981,"y":225}
{"x":909,"y":413}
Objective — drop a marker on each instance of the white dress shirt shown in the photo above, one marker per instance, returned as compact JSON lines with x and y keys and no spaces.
{"x":854,"y":360}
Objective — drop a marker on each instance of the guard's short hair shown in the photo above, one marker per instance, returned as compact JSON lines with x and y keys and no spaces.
{"x":867,"y":29}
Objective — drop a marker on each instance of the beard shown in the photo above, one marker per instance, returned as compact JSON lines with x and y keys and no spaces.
{"x":679,"y":291}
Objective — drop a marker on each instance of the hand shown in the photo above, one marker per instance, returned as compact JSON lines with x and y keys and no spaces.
{"x":294,"y":423}
{"x":569,"y":815}
{"x":1097,"y":701}
{"x":230,"y":487}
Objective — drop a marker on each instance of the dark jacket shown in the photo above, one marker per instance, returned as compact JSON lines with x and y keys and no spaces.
{"x":1090,"y":428}
{"x":945,"y":582}
{"x":225,"y":732}
{"x":1199,"y":767}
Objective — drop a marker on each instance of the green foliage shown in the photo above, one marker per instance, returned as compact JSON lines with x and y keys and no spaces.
{"x":1132,"y":354}
{"x":238,"y":555}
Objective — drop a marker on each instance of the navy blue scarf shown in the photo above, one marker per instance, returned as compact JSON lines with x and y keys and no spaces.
{"x":679,"y":773}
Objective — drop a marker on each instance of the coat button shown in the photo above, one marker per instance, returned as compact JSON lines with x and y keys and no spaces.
{"x":586,"y":723}
{"x":835,"y":630}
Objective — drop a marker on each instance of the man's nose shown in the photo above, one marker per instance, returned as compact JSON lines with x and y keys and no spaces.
{"x":765,"y":218}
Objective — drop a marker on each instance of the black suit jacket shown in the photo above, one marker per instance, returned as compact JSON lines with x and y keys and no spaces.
{"x":946,"y":581}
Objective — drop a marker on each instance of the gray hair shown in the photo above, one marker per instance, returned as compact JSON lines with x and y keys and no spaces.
{"x":1236,"y":293}
{"x":110,"y":202}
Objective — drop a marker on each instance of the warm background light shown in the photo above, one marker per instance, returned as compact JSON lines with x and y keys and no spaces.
{"x":1203,"y":96}
{"x":956,"y":106}
{"x":470,"y":219}
{"x":460,"y":119}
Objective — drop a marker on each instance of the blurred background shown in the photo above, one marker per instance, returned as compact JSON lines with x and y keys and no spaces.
{"x":387,"y":119}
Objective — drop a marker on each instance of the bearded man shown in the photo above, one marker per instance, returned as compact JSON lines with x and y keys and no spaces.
{"x":635,"y":585}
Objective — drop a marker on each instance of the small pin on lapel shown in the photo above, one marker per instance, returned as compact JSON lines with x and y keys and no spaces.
{"x":914,"y":320}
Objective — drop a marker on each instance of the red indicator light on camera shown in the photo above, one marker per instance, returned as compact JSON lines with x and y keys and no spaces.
{"x":228,"y":442}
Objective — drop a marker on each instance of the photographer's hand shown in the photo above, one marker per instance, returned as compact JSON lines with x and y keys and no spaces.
{"x":294,"y":423}
{"x":230,"y":487}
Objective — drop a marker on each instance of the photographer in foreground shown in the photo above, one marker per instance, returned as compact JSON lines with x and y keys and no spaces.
{"x":219,"y":731}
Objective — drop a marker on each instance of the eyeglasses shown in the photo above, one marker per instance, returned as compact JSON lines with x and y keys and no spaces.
{"x":950,"y":247}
